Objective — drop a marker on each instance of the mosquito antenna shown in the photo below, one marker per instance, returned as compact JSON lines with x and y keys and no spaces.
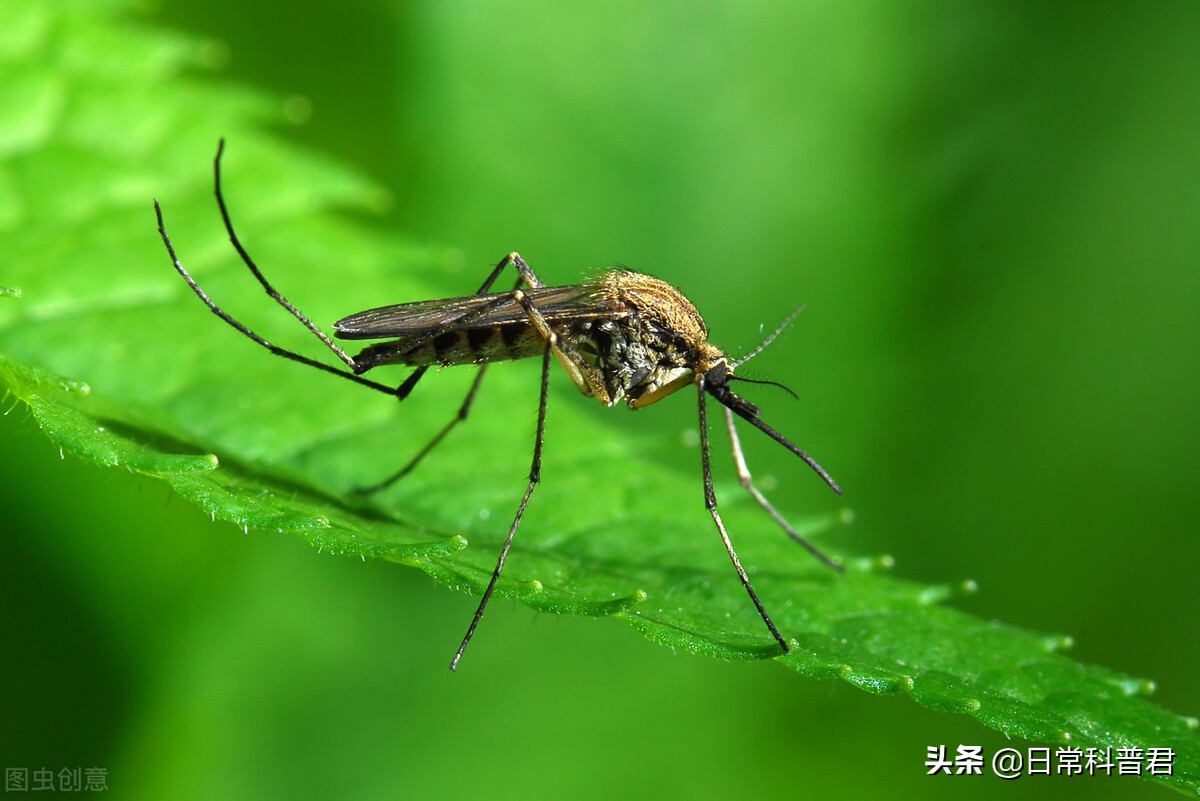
{"x":774,"y":334}
{"x":764,"y":381}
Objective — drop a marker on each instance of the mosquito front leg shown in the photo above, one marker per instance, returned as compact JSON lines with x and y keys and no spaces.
{"x":710,"y":502}
{"x":739,"y":460}
{"x":583,"y":375}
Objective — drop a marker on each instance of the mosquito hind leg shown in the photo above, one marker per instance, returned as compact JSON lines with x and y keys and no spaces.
{"x":246,"y":331}
{"x":262,"y":279}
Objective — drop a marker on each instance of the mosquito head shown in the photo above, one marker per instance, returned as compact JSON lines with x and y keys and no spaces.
{"x":716,"y":383}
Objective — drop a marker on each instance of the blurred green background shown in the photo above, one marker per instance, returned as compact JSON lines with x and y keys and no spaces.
{"x":990,"y":211}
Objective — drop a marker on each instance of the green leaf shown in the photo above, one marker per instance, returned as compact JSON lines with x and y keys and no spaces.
{"x":121,"y":365}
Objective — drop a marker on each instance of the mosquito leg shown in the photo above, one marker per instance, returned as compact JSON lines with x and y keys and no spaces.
{"x":535,"y":475}
{"x":463,"y":411}
{"x":240,"y":327}
{"x":529,"y":279}
{"x":526,"y":276}
{"x":710,"y":501}
{"x":262,"y":279}
{"x":743,"y":472}
{"x":278,"y":351}
{"x":522,"y":267}
{"x":400,"y":392}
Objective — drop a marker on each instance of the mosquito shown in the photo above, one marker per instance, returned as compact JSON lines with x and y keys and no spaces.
{"x":623,"y":336}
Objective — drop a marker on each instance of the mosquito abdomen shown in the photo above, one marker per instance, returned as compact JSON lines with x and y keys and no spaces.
{"x":460,"y":346}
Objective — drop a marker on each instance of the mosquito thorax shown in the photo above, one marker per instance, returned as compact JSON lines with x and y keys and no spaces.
{"x":653,"y":343}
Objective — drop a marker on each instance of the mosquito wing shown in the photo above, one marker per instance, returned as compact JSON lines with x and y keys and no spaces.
{"x":472,"y":329}
{"x":473,"y":311}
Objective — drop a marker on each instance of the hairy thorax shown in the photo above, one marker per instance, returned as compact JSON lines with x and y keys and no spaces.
{"x":652,"y":344}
